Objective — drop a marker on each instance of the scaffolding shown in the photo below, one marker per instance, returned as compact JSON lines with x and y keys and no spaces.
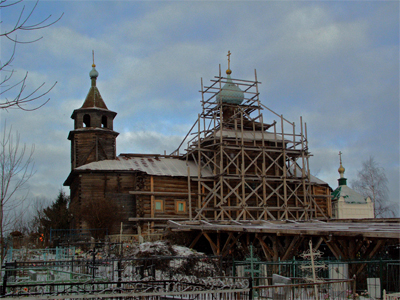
{"x":259,"y":171}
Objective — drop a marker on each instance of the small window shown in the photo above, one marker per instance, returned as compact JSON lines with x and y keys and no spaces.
{"x":103,"y":122}
{"x":159,"y":205}
{"x":180,"y":206}
{"x":86,"y":120}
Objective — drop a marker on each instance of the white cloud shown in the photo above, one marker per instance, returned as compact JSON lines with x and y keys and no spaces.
{"x":147,"y":142}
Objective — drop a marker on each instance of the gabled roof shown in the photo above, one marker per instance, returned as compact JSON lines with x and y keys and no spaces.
{"x":159,"y":166}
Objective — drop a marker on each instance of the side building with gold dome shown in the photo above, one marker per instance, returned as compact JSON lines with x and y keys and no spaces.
{"x":347,"y":203}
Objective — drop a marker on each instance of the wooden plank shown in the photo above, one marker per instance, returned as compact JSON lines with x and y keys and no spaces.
{"x":150,"y":193}
{"x":161,"y":219}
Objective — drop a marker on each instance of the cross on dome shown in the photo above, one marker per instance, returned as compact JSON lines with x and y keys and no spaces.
{"x":229,"y":71}
{"x":93,"y":73}
{"x":341,"y":168}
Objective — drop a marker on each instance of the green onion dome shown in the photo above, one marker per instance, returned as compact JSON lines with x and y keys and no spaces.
{"x":230,"y":92}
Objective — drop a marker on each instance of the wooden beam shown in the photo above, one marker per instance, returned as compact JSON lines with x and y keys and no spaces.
{"x":152,"y":193}
{"x":218,"y":242}
{"x":225,"y":252}
{"x":227,"y":242}
{"x":280,"y":248}
{"x":352,"y":249}
{"x":157,"y":219}
{"x":360,"y":243}
{"x":334,"y":248}
{"x":343,"y":245}
{"x":373,"y":250}
{"x":213,"y":246}
{"x":274,"y":240}
{"x":267,"y":250}
{"x":293,"y":246}
{"x":196,"y":239}
{"x":316,"y":246}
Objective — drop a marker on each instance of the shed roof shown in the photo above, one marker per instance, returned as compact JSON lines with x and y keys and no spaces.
{"x":384,"y":228}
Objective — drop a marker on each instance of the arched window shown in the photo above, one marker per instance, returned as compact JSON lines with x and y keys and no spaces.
{"x":103,"y":122}
{"x":86,"y":121}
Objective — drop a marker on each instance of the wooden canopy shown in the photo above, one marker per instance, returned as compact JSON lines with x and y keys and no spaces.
{"x":347,"y":239}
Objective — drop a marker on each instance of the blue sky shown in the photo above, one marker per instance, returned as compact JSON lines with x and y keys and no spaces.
{"x":335,"y":63}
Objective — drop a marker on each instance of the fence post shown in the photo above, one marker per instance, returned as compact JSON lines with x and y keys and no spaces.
{"x":4,"y":289}
{"x":72,"y":265}
{"x":94,"y":263}
{"x":250,"y":288}
{"x":293,"y":267}
{"x":119,"y":273}
{"x":354,"y":286}
{"x":381,"y":274}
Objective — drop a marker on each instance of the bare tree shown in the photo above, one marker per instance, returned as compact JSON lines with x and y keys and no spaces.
{"x":20,"y":98}
{"x":372,"y":182}
{"x":37,"y":213}
{"x":29,"y":222}
{"x":16,"y":168}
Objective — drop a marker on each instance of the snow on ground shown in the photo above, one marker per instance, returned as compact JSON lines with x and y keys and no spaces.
{"x":163,"y":248}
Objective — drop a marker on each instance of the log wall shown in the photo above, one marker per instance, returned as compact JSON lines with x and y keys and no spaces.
{"x":91,"y":146}
{"x":169,"y":190}
{"x":110,"y":188}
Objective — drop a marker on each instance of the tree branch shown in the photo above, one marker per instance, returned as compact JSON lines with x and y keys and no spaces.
{"x":22,"y":23}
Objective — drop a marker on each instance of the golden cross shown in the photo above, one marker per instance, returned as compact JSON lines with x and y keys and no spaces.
{"x":340,"y":155}
{"x":229,"y":59}
{"x":93,"y":58}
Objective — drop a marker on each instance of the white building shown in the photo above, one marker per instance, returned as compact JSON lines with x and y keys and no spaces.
{"x":347,"y":203}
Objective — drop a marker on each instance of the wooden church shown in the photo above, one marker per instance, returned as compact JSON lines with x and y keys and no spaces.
{"x":236,"y":164}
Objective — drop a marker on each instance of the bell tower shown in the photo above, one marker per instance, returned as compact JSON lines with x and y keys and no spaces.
{"x":93,"y":138}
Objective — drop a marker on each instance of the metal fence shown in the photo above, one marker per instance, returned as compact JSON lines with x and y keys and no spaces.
{"x":226,"y":288}
{"x":372,"y":276}
{"x":57,"y":253}
{"x":188,"y":288}
{"x":127,"y":269}
{"x":335,"y":289}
